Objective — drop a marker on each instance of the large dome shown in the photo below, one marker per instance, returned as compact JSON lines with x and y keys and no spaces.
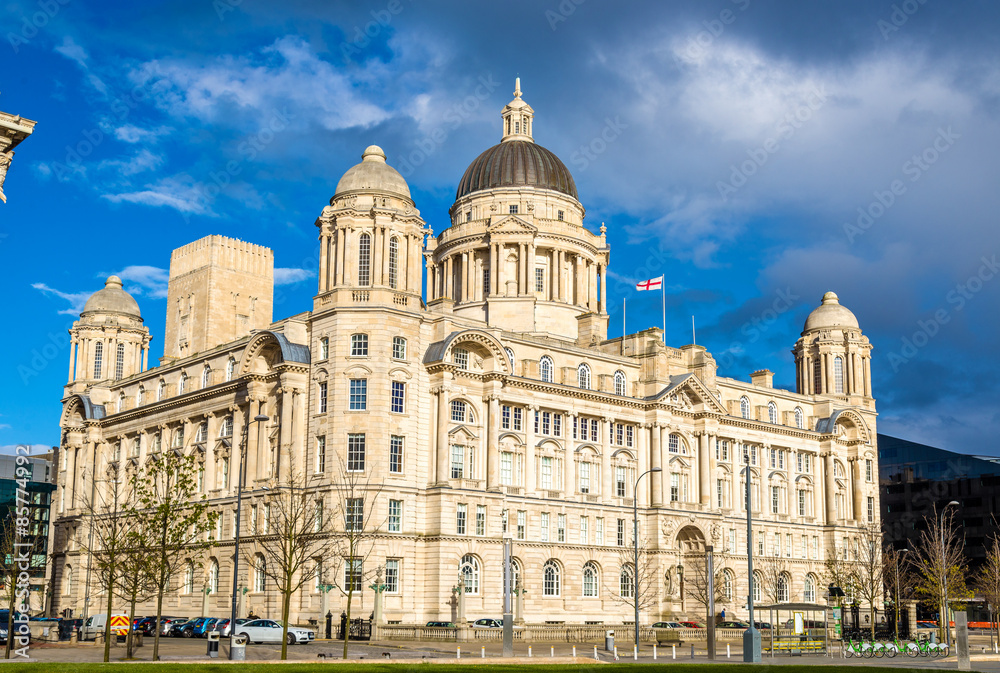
{"x":373,"y":174}
{"x":830,"y":314}
{"x":517,"y":163}
{"x":112,"y":299}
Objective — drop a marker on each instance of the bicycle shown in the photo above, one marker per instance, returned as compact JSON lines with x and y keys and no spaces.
{"x":852,"y":649}
{"x":909,"y":649}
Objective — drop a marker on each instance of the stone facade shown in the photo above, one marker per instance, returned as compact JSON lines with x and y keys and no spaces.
{"x":498,"y":407}
{"x":13,"y":130}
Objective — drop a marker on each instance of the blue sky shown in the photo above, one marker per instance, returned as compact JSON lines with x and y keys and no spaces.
{"x":757,"y":154}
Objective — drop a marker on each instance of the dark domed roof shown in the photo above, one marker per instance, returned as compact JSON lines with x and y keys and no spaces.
{"x":517,"y":163}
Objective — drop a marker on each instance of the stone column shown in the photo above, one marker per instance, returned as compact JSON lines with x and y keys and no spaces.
{"x":860,"y":514}
{"x":559,"y":291}
{"x":72,"y":359}
{"x":323,"y":242}
{"x":704,"y":471}
{"x":236,"y":451}
{"x":581,"y":280}
{"x":606,"y":477}
{"x":828,"y":493}
{"x":642,"y":451}
{"x":493,"y":441}
{"x":350,"y":269}
{"x":494,"y":274}
{"x":593,"y":304}
{"x":531,"y":269}
{"x":465,"y":277}
{"x":70,"y":481}
{"x":867,"y":374}
{"x":210,"y":458}
{"x":656,"y":460}
{"x":604,"y":289}
{"x":529,"y":453}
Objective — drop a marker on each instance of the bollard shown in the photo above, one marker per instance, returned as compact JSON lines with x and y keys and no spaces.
{"x":616,"y":653}
{"x":595,"y":652}
{"x":654,"y":652}
{"x":728,"y":654}
{"x":635,"y":653}
{"x":574,"y":651}
{"x":458,"y":653}
{"x":692,"y":650}
{"x":529,"y":650}
{"x":673,"y":651}
{"x":482,"y":654}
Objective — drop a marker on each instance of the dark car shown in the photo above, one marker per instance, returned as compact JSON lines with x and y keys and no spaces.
{"x":693,"y":625}
{"x":449,"y":625}
{"x":732,"y":625}
{"x":203,"y":628}
{"x":182,"y":629}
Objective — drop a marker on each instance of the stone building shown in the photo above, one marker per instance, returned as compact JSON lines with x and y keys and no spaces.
{"x":470,"y":373}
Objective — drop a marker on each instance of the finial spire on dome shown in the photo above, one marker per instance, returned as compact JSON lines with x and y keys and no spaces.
{"x":517,"y":116}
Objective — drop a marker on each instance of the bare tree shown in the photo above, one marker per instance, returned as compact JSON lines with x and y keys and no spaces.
{"x":298,"y":533}
{"x":898,"y":577}
{"x":167,"y":492}
{"x":357,"y":493}
{"x":697,"y":585}
{"x":110,"y":506}
{"x":773,"y":573}
{"x":136,"y":581}
{"x":838,"y":571}
{"x":987,"y":579}
{"x":940,"y":563}
{"x":623,"y":591}
{"x":868,"y":568}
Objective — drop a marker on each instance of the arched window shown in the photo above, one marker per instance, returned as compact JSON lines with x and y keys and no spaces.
{"x":756,"y":587}
{"x":161,"y":390}
{"x":772,"y":412}
{"x":213,"y":576}
{"x":178,"y":440}
{"x":470,"y":569}
{"x":545,"y":369}
{"x":591,"y":583}
{"x":782,"y":589}
{"x":393,"y":262}
{"x":626,"y":582}
{"x":510,"y":354}
{"x":227,"y":427}
{"x":809,"y":591}
{"x":676,"y":445}
{"x":838,"y":375}
{"x":230,"y":369}
{"x":583,"y":376}
{"x":141,"y":396}
{"x":259,"y":574}
{"x":550,"y":579}
{"x":364,"y":260}
{"x":98,"y":356}
{"x":67,"y":580}
{"x":202,"y":434}
{"x":727,"y":584}
{"x":120,"y":361}
{"x":182,"y":384}
{"x":620,"y":383}
{"x":206,"y":377}
{"x":189,"y":578}
{"x":744,"y":407}
{"x":515,"y":574}
{"x":120,"y":405}
{"x":799,"y":418}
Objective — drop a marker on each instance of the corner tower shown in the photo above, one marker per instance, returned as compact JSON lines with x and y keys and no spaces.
{"x":833,"y":357}
{"x":371,"y":237}
{"x":517,"y":255}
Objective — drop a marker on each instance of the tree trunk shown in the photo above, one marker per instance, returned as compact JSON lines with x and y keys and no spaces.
{"x":286,"y":604}
{"x":107,"y":620}
{"x":131,"y":632}
{"x":161,"y":586}
{"x":347,"y":627}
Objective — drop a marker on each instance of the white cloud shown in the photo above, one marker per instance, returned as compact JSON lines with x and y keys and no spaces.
{"x":74,"y":52}
{"x":76,"y":299}
{"x":150,"y":281}
{"x":287,"y":276}
{"x":142,"y":161}
{"x":178,"y":192}
{"x":130,"y":133}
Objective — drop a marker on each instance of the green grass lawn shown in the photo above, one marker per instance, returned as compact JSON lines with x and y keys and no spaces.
{"x":197,"y":667}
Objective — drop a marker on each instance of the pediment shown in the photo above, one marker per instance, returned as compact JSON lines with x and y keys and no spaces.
{"x":462,"y":431}
{"x":511,"y":224}
{"x":688,"y":392}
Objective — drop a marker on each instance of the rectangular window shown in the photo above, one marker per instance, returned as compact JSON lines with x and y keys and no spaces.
{"x":584,"y":477}
{"x":398,"y":348}
{"x":815,"y":549}
{"x":584,"y":530}
{"x":354,"y":514}
{"x":802,"y":502}
{"x":760,"y":544}
{"x":460,"y":515}
{"x":353,"y":574}
{"x":804,"y":549}
{"x":788,"y":545}
{"x":359,"y":343}
{"x":321,"y":398}
{"x":781,"y":460}
{"x":539,"y":279}
{"x":557,"y":425}
{"x":561,"y":528}
{"x":620,"y":434}
{"x":395,"y":523}
{"x":868,"y":469}
{"x":732,"y":540}
{"x":599,"y":531}
{"x":461,"y":358}
{"x":517,"y":419}
{"x":392,"y":576}
{"x":395,"y":454}
{"x":621,"y":532}
{"x":629,"y":435}
{"x":359,"y":394}
{"x":513,"y":209}
{"x":546,"y":422}
{"x":458,"y":411}
{"x":506,"y":468}
{"x":620,"y":485}
{"x":675,"y":487}
{"x":356,"y":452}
{"x":718,"y":493}
{"x":774,"y":500}
{"x":320,"y":455}
{"x":871,"y":509}
{"x":324,"y":348}
{"x":480,"y":520}
{"x":398,"y":397}
{"x":522,"y":524}
{"x":560,"y":215}
{"x":457,"y":462}
{"x":545,"y":527}
{"x":468,"y":216}
{"x":486,"y":282}
{"x":546,"y":473}
{"x":505,"y":417}
{"x":593,"y":430}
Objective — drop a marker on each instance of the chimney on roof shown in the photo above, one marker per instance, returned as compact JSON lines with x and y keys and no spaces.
{"x":763,"y":378}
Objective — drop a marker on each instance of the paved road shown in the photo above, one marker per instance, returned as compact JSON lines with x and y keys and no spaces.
{"x":184,"y":649}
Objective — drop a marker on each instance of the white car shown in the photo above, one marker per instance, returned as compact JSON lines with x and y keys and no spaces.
{"x":269,"y":631}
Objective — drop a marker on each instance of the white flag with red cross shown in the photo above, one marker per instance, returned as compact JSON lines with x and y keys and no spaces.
{"x":651,"y":284}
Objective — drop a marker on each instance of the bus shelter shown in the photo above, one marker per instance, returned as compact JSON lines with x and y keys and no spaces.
{"x":796,"y":629}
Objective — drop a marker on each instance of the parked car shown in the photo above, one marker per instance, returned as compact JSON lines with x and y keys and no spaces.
{"x":447,"y":625}
{"x":202,"y":629}
{"x":167,"y":624}
{"x":668,"y":625}
{"x":222,"y":626}
{"x":66,"y":627}
{"x":921,"y":624}
{"x":763,"y":626}
{"x":177,"y":629}
{"x":487,"y":623}
{"x":95,"y":624}
{"x":693,"y":625}
{"x":732,"y":625}
{"x":269,"y":631}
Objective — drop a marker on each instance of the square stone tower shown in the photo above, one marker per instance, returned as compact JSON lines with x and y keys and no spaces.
{"x":219,"y":290}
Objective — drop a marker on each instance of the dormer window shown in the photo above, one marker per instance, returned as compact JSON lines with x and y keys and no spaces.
{"x":513,"y":210}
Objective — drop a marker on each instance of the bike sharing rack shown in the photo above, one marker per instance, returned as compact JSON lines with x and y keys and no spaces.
{"x":799,"y":639}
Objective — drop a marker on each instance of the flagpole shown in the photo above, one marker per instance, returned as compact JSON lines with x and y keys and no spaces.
{"x":623,"y":326}
{"x":694,"y":341}
{"x":663,"y":297}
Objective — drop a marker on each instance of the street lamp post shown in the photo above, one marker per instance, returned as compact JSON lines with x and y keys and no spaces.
{"x":635,"y":543}
{"x":944,"y":574}
{"x":259,"y":418}
{"x":900,"y":554}
{"x":751,"y":637}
